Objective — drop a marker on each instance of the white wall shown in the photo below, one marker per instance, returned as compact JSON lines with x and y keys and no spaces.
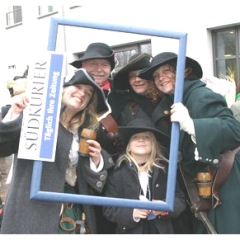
{"x":20,"y":43}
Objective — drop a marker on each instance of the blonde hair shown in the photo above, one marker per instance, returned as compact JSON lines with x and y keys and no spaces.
{"x":156,"y":154}
{"x":79,"y":118}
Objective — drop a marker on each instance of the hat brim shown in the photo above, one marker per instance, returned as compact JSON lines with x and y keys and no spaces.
{"x":197,"y":69}
{"x":127,"y":132}
{"x":82,"y":77}
{"x":121,"y":79}
{"x":78,"y":63}
{"x":148,"y":73}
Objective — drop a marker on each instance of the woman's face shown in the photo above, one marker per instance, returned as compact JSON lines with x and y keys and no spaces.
{"x":140,"y":144}
{"x":164,"y":78}
{"x":139,"y":85}
{"x":77,"y":97}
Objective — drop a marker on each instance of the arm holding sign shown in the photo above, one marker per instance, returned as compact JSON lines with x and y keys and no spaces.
{"x":18,"y":103}
{"x":10,"y":126}
{"x":82,"y":100}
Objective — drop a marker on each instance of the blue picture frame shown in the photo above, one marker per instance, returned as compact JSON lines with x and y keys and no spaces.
{"x":37,"y":194}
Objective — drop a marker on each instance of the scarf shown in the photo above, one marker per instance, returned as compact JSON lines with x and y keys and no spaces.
{"x":106,"y":85}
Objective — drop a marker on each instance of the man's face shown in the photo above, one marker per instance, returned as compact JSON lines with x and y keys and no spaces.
{"x":99,"y":68}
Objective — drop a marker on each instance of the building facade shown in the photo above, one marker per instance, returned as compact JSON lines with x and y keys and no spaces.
{"x":213,"y":33}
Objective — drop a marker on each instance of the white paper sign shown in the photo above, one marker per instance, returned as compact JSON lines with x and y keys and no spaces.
{"x":41,"y":116}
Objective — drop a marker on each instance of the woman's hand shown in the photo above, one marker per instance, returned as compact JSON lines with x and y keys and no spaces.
{"x":19,"y":102}
{"x":179,"y":113}
{"x":94,"y":151}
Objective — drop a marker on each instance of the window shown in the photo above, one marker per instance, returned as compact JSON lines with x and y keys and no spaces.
{"x":125,"y":51}
{"x":44,"y":10}
{"x":226,"y":46}
{"x":14,"y":15}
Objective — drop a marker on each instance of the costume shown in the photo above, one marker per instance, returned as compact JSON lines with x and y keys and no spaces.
{"x":124,"y":183}
{"x":22,"y":215}
{"x":98,"y":50}
{"x":128,"y":105}
{"x":209,"y":129}
{"x":216,"y":131}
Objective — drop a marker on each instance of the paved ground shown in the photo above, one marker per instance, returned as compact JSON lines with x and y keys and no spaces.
{"x":5,"y":164}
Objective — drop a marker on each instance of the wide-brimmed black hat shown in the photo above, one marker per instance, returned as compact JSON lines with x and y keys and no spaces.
{"x":138,"y":61}
{"x":139,"y":125}
{"x":165,"y":57}
{"x":81,"y":76}
{"x":96,"y":51}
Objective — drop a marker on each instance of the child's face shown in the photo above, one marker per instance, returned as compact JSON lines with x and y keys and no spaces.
{"x":140,"y":144}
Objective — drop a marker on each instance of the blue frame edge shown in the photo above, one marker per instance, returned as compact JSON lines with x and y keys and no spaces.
{"x":168,"y":205}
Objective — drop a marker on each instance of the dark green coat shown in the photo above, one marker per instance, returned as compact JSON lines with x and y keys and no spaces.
{"x":216,"y":131}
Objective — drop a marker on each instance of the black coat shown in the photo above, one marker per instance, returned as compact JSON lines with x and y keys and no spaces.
{"x":124,"y":183}
{"x":127,"y":105}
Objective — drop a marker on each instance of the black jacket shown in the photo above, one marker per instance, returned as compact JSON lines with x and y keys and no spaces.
{"x":123,"y":182}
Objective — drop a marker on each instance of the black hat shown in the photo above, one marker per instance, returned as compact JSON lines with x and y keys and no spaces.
{"x":81,"y":76}
{"x":139,"y":125}
{"x":138,"y":61}
{"x":165,"y":57}
{"x":96,"y":51}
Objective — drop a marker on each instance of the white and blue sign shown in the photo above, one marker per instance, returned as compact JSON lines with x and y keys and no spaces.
{"x":41,"y":116}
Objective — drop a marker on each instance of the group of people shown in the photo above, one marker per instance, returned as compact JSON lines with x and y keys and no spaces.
{"x":132,"y":163}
